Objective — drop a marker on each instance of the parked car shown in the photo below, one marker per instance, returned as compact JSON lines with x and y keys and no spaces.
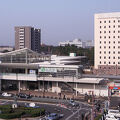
{"x":5,"y":94}
{"x":116,"y":113}
{"x":23,"y":95}
{"x":111,"y":117}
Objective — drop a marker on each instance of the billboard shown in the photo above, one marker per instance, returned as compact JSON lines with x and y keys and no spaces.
{"x":51,"y":70}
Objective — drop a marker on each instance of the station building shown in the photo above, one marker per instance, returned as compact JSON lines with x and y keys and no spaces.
{"x":25,"y":69}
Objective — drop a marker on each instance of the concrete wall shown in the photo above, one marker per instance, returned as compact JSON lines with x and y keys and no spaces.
{"x":99,"y":90}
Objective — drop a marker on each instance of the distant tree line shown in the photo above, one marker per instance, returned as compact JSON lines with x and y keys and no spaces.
{"x":64,"y":51}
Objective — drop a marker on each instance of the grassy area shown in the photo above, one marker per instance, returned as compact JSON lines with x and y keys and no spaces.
{"x":7,"y":112}
{"x":98,"y":117}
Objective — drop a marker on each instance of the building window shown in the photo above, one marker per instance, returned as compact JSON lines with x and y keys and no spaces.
{"x":104,"y":57}
{"x":100,"y":32}
{"x":114,"y":21}
{"x":118,"y":36}
{"x":114,"y":31}
{"x":109,"y":21}
{"x":109,"y":62}
{"x":100,"y":62}
{"x":109,"y":57}
{"x":105,"y":37}
{"x":105,"y":47}
{"x":100,"y":52}
{"x":100,"y":42}
{"x":118,"y":62}
{"x":100,"y":57}
{"x":104,"y":52}
{"x":100,"y":37}
{"x":114,"y":47}
{"x":100,"y":27}
{"x":109,"y":42}
{"x":113,"y":36}
{"x":104,"y":26}
{"x":104,"y":62}
{"x":100,"y":21}
{"x":114,"y":42}
{"x":104,"y":21}
{"x":113,"y":52}
{"x":109,"y":37}
{"x":105,"y":42}
{"x":118,"y":20}
{"x":113,"y":26}
{"x":118,"y":26}
{"x":109,"y":52}
{"x":109,"y":47}
{"x":100,"y":47}
{"x":118,"y":57}
{"x":118,"y":31}
{"x":118,"y":52}
{"x":109,"y":26}
{"x":118,"y":41}
{"x":104,"y":31}
{"x":114,"y":57}
{"x":118,"y":46}
{"x":109,"y":31}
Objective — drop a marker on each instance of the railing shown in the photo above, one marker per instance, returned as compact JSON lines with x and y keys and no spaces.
{"x":12,"y":76}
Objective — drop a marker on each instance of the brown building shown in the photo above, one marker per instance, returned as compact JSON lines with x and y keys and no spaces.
{"x":27,"y":37}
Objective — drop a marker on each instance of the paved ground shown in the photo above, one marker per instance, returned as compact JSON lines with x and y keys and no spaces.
{"x":49,"y":94}
{"x":114,"y":102}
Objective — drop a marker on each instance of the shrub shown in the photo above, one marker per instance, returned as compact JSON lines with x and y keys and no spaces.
{"x":98,"y":117}
{"x":11,"y":115}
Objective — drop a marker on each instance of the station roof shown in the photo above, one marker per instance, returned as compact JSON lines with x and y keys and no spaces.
{"x":91,"y":80}
{"x":18,"y":65}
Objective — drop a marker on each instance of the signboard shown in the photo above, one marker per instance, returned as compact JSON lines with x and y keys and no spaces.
{"x":32,"y":71}
{"x":114,"y":88}
{"x":42,"y":69}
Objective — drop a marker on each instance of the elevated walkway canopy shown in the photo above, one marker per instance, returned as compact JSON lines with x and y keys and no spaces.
{"x":24,"y":55}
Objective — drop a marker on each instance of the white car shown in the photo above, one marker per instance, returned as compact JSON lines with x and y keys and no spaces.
{"x":5,"y":94}
{"x":111,"y":117}
{"x":115,"y":113}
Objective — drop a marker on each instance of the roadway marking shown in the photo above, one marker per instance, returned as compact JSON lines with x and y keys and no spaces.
{"x":3,"y":102}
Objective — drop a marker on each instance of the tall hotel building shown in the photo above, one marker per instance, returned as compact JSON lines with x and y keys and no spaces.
{"x":27,"y":37}
{"x":107,"y":43}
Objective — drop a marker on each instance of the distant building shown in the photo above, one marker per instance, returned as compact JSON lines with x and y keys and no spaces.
{"x":27,"y":37}
{"x":89,"y":44}
{"x":107,"y":43}
{"x":76,"y":42}
{"x":6,"y":48}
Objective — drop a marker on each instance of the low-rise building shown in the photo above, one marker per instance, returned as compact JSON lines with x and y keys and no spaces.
{"x":76,"y":42}
{"x":6,"y":48}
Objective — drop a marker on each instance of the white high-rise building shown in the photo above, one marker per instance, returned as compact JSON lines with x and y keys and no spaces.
{"x":107,"y":42}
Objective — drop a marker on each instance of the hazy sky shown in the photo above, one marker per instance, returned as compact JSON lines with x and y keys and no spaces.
{"x":59,"y":20}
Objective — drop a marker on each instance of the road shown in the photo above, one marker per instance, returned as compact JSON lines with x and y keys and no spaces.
{"x":114,"y":102}
{"x":63,"y":107}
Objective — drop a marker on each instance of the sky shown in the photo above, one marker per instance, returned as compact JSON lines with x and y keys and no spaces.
{"x":59,"y":20}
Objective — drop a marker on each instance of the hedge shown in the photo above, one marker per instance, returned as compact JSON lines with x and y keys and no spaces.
{"x":9,"y":113}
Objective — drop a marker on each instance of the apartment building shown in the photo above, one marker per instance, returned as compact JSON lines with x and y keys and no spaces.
{"x":76,"y":42}
{"x":27,"y":37}
{"x":107,"y":43}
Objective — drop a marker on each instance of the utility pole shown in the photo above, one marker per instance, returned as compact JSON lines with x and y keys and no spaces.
{"x":92,"y":110}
